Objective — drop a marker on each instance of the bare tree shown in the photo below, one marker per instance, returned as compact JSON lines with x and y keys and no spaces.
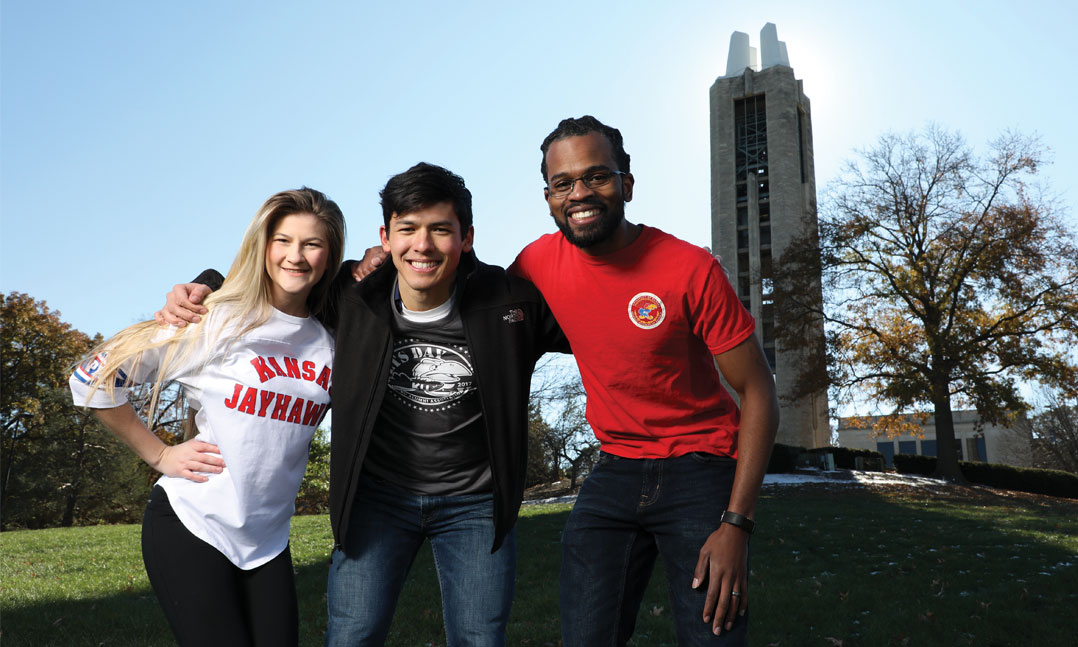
{"x":571,"y":442}
{"x":172,"y":421}
{"x":565,"y":437}
{"x":947,"y":278}
{"x":1053,"y":432}
{"x":541,"y":465}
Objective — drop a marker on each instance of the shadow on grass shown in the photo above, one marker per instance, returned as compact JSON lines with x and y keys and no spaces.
{"x":135,"y":617}
{"x":957,"y":566}
{"x":852,"y":565}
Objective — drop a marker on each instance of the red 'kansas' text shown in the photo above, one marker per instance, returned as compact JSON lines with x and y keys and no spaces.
{"x":269,"y":368}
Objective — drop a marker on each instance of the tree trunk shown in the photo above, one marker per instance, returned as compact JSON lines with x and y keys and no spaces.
{"x":73,"y":492}
{"x":946,"y":456}
{"x":574,"y":472}
{"x":9,"y":455}
{"x":68,"y":519}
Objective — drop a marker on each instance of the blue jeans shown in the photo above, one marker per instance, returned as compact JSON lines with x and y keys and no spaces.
{"x":629,"y":511}
{"x":387,"y":527}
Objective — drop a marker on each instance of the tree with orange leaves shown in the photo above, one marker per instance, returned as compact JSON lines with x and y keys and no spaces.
{"x":948,"y":278}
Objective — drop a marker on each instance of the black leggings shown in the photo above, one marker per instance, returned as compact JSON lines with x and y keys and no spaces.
{"x":207,"y":599}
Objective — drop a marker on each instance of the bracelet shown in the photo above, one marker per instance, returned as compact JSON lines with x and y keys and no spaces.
{"x":738,"y":520}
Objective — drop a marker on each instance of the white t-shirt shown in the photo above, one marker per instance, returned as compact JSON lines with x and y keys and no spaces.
{"x":259,"y":399}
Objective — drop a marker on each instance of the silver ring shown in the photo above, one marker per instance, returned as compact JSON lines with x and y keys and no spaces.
{"x":735,"y":593}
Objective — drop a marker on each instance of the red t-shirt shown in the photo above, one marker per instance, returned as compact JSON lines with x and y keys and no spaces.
{"x":644,"y":323}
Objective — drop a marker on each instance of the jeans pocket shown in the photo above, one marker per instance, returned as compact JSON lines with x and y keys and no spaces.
{"x":608,"y":459}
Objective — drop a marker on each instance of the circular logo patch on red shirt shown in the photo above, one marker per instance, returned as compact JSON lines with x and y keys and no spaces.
{"x":646,"y":310}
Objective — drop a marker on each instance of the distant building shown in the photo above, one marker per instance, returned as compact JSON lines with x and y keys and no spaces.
{"x":763,"y":196}
{"x":973,"y":441}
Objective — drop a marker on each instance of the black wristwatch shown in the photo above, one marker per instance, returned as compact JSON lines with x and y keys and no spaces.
{"x":739,"y":520}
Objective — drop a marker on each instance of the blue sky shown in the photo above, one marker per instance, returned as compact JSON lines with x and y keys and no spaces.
{"x":138,"y":138}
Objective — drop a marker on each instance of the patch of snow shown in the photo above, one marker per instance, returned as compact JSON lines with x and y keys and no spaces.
{"x":851,"y":477}
{"x":568,"y":498}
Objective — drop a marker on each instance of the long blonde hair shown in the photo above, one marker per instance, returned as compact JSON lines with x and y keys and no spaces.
{"x":246,"y":291}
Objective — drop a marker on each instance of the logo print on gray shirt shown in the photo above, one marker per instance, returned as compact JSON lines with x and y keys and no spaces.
{"x":430,"y":375}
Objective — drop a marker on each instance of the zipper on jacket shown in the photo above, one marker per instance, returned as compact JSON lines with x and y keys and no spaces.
{"x":495,"y":488}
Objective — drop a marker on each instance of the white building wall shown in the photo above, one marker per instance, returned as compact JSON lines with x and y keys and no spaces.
{"x":1001,"y":444}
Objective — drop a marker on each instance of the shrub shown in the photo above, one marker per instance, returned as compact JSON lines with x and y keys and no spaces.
{"x":1024,"y":479}
{"x":844,"y":456}
{"x":1005,"y":477}
{"x":783,"y":458}
{"x":914,"y":464}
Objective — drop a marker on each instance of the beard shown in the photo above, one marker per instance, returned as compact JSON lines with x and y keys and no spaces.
{"x":594,"y":233}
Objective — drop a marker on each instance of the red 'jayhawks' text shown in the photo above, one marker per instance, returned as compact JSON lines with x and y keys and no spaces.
{"x":280,"y":406}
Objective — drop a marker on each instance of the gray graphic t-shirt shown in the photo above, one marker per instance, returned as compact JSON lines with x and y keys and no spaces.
{"x":429,"y":437}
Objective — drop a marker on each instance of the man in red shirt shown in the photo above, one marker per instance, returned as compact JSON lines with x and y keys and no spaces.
{"x":649,"y":317}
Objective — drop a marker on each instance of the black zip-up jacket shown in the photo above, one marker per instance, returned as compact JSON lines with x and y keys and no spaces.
{"x":508,"y":327}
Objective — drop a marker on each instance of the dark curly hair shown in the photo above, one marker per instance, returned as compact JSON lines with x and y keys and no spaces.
{"x":576,"y":127}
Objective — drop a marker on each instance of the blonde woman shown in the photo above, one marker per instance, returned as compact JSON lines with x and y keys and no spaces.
{"x":258,"y":370}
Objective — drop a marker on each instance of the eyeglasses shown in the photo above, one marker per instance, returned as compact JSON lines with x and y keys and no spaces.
{"x":593,"y":180}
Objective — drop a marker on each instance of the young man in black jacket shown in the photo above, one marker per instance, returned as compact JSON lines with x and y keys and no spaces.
{"x":434,"y":360}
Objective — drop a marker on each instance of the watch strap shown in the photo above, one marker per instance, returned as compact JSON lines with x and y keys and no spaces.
{"x":739,"y":520}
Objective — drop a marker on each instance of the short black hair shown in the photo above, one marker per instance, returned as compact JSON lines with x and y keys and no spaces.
{"x":577,"y":127}
{"x":425,"y":185}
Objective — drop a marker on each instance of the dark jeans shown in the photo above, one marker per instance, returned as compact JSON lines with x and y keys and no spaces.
{"x":207,"y":599}
{"x":387,"y":527}
{"x":629,"y":511}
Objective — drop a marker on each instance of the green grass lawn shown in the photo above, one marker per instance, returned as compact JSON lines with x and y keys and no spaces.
{"x":830,"y":566}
